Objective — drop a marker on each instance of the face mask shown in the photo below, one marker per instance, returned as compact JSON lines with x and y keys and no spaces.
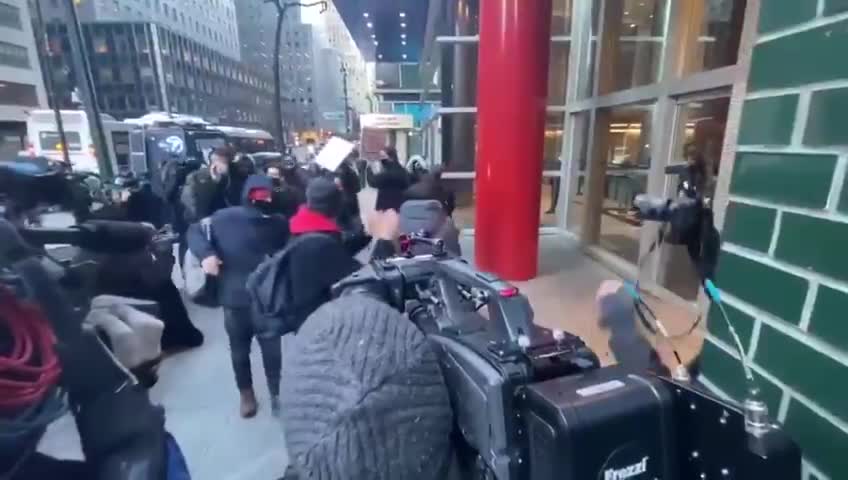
{"x":277,"y":182}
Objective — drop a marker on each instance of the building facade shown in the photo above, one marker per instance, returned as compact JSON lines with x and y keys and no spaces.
{"x":139,"y":67}
{"x":21,"y":83}
{"x":316,"y":47}
{"x":211,"y":23}
{"x":162,"y":56}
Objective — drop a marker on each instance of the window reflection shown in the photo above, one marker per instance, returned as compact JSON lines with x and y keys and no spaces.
{"x":632,"y":43}
{"x":714,"y":41}
{"x":624,"y":139}
{"x":698,"y":141}
{"x":577,"y":205}
{"x":561,"y":21}
{"x":558,"y":73}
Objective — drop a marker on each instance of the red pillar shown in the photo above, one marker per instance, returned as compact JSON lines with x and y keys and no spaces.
{"x":515,"y":38}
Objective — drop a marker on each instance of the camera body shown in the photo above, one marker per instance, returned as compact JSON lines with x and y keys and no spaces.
{"x":534,"y":404}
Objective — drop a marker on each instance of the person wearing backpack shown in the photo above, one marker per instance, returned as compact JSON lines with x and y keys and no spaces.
{"x":287,"y":288}
{"x":240,"y":239}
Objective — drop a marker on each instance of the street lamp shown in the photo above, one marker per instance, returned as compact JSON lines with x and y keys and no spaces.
{"x":282,"y":7}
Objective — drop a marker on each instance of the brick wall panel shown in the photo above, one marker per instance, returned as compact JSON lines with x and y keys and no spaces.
{"x":742,"y":322}
{"x":815,"y":244}
{"x":790,"y":179}
{"x":777,"y":292}
{"x":832,"y":7}
{"x":768,"y":121}
{"x":821,"y":441}
{"x":829,"y":320}
{"x":749,"y":226}
{"x":777,"y":14}
{"x":727,"y":374}
{"x":827,"y":118}
{"x":810,"y":56}
{"x":805,"y":369}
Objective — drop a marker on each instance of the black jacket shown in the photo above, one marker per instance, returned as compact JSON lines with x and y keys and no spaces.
{"x":242,"y":237}
{"x":390,"y":183}
{"x":431,"y":187}
{"x":317,"y":258}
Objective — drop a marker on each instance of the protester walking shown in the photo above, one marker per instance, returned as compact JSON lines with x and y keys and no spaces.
{"x":237,"y":241}
{"x":390,"y":179}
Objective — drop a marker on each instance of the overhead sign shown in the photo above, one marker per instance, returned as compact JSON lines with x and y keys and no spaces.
{"x":333,"y":115}
{"x":387,"y":121}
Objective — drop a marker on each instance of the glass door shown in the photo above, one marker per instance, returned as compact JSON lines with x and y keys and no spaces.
{"x":699,"y":127}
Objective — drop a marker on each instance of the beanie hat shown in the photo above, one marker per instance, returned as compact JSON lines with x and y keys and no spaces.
{"x":364,"y":396}
{"x":323,"y":196}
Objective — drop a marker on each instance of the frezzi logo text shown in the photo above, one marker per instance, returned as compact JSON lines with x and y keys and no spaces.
{"x":627,"y":472}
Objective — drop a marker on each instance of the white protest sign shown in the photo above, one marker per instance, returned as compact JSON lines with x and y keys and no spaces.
{"x":334,"y":153}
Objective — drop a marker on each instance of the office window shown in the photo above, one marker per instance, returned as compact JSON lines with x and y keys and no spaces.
{"x":13,"y":93}
{"x":10,"y":16}
{"x":14,"y":55}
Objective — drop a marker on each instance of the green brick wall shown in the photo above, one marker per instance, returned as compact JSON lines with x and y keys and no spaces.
{"x":784,"y":264}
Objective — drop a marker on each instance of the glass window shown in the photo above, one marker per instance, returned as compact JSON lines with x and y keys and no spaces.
{"x":458,"y":75}
{"x":388,"y":75}
{"x":12,"y":93}
{"x":561,"y":21}
{"x":558,"y":73}
{"x":14,"y":55}
{"x":632,"y":44}
{"x":698,"y":141}
{"x":622,"y":136}
{"x":121,"y":144}
{"x":10,"y":16}
{"x":52,"y":141}
{"x":714,"y":42}
{"x":577,"y":202}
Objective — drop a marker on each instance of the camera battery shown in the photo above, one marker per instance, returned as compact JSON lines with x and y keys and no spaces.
{"x":607,"y":424}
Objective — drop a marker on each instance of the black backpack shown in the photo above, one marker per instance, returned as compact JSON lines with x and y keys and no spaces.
{"x":272,"y":290}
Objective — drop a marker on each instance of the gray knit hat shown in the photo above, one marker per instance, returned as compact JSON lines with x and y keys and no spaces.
{"x":364,"y":397}
{"x":323,"y":196}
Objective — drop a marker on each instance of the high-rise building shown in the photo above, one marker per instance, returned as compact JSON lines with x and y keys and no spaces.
{"x":21,"y":85}
{"x":316,"y":45}
{"x":211,"y":23}
{"x":159,"y":55}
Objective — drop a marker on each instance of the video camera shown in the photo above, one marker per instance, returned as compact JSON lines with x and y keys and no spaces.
{"x":532,"y":403}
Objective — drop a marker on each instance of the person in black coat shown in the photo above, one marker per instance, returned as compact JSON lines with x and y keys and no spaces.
{"x":431,"y":187}
{"x":317,"y":240}
{"x":390,"y":179}
{"x":288,"y":194}
{"x":241,"y":238}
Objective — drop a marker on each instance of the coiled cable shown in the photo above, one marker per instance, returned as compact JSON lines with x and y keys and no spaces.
{"x":30,"y":397}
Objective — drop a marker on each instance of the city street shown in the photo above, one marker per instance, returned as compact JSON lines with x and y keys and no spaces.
{"x":201,"y":402}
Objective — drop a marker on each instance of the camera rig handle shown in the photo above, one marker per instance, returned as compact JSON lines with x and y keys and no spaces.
{"x":399,"y":280}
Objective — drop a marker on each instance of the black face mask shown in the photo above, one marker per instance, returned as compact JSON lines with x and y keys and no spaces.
{"x":277,"y":182}
{"x":267,"y":208}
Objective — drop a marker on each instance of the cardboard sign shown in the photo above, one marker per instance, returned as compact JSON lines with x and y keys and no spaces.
{"x":334,"y":153}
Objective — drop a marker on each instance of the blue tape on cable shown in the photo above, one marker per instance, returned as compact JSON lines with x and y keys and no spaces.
{"x":712,"y":291}
{"x":631,"y":290}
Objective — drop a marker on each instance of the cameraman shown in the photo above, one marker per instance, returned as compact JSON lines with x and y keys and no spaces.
{"x":364,"y":397}
{"x":121,"y":432}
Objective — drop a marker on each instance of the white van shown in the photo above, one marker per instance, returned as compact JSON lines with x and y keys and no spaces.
{"x":44,"y":139}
